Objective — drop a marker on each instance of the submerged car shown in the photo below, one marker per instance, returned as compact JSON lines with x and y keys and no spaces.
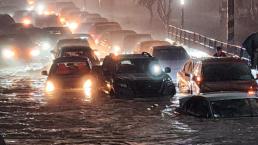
{"x":136,"y":75}
{"x":216,"y":74}
{"x":70,"y":76}
{"x":220,"y":105}
{"x":173,"y":56}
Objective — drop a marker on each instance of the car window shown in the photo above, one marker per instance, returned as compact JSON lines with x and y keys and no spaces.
{"x":234,"y":108}
{"x":135,"y":65}
{"x":198,"y":107}
{"x":226,"y":72}
{"x":71,"y":52}
{"x":176,"y":53}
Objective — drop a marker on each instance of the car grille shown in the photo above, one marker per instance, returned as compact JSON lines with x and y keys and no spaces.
{"x":147,"y":87}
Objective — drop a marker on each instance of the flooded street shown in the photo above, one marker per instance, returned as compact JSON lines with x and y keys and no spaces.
{"x":27,"y":117}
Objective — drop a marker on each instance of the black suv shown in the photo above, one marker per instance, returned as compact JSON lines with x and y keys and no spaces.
{"x":136,"y":75}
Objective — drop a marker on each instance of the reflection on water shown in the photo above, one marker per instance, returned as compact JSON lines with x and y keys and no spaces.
{"x":29,"y":117}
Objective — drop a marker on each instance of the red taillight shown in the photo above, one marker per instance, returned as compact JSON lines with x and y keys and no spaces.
{"x":251,"y":91}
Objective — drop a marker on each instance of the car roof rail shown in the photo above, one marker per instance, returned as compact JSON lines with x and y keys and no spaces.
{"x":146,"y":54}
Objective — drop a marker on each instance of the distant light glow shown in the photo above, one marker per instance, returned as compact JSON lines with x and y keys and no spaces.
{"x":40,"y":9}
{"x":182,"y":2}
{"x":26,"y":21}
{"x":73,"y":26}
{"x":116,"y":49}
{"x":8,"y":53}
{"x":34,"y":52}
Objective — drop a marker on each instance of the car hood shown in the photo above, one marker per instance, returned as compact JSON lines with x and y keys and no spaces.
{"x":241,"y":86}
{"x":138,"y":76}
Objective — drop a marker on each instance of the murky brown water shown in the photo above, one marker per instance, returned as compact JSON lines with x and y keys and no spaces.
{"x":27,"y":117}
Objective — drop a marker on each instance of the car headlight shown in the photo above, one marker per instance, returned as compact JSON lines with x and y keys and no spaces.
{"x":8,"y":53}
{"x":50,"y":86}
{"x":34,"y":52}
{"x":87,"y":88}
{"x":156,"y":70}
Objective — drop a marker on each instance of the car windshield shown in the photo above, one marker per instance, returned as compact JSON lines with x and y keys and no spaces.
{"x":235,"y":108}
{"x":226,"y":72}
{"x":171,"y":54}
{"x":70,"y":68}
{"x":81,"y":53}
{"x":135,"y":65}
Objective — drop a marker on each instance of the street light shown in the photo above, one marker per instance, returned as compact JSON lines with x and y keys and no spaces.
{"x":182,"y":13}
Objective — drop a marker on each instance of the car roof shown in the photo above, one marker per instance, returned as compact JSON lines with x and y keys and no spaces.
{"x":217,"y":96}
{"x":76,"y":47}
{"x":135,"y":56}
{"x":153,"y":42}
{"x":71,"y":59}
{"x":221,"y":59}
{"x":169,"y":47}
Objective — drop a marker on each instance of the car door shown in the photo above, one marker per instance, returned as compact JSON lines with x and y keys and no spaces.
{"x":199,"y":107}
{"x":196,"y":78}
{"x":184,"y":77}
{"x":108,"y":68}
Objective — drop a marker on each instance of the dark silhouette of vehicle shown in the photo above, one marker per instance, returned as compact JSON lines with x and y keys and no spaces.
{"x":136,"y":75}
{"x":172,"y":56}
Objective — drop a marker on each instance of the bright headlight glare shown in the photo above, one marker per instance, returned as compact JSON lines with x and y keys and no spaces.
{"x":156,"y":70}
{"x":34,"y":52}
{"x":46,"y":45}
{"x":7,"y":53}
{"x":87,"y":87}
{"x":50,"y":87}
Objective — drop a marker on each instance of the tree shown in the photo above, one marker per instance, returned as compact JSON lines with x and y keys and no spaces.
{"x":164,"y":9}
{"x":149,"y":4}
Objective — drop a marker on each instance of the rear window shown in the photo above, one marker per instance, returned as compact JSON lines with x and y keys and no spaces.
{"x":234,"y":108}
{"x":71,"y":68}
{"x":226,"y":72}
{"x":171,"y":54}
{"x":79,"y":52}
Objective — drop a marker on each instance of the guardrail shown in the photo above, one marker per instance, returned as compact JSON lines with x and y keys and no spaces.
{"x":204,"y":43}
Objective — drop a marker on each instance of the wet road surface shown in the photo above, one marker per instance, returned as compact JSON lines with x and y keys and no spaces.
{"x":27,"y":117}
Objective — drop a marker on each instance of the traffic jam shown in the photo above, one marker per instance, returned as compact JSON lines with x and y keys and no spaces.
{"x":72,"y":76}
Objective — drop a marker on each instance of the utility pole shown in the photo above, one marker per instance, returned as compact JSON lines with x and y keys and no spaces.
{"x":84,"y":5}
{"x":230,"y":21}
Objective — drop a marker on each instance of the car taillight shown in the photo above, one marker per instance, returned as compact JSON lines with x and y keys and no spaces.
{"x":251,"y":91}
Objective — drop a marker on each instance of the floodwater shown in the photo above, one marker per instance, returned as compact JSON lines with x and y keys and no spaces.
{"x":27,"y":117}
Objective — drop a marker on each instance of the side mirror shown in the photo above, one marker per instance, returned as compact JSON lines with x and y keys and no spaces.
{"x":187,"y":74}
{"x":167,"y":70}
{"x":97,"y":69}
{"x":44,"y":73}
